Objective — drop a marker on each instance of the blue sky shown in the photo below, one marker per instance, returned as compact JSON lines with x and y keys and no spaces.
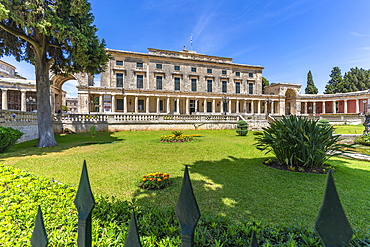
{"x":288,"y":38}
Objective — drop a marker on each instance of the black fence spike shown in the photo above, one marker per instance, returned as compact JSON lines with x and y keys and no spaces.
{"x":84,"y":203}
{"x":187,"y":211}
{"x":39,"y":237}
{"x":132,"y":239}
{"x":332,"y":224}
{"x":254,"y":242}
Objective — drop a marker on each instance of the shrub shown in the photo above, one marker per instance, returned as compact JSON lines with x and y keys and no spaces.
{"x":242,"y":128}
{"x":323,"y":122}
{"x":8,"y":137}
{"x":177,"y":133}
{"x":298,"y":141}
{"x":363,"y":139}
{"x":92,"y":133}
{"x":158,"y":226}
{"x":154,"y":181}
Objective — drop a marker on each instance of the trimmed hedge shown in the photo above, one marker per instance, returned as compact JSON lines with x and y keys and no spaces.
{"x":22,"y":192}
{"x":8,"y":137}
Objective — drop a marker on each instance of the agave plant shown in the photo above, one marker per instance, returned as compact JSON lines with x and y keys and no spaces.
{"x":300,"y":142}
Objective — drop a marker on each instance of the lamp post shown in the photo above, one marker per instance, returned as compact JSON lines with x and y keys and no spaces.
{"x":310,"y":108}
{"x":31,"y":101}
{"x":225,"y":100}
{"x":267,"y":102}
{"x":89,"y":105}
{"x":175,"y":105}
{"x":287,"y":108}
{"x":365,"y":101}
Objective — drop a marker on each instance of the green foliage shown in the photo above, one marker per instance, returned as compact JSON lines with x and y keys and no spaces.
{"x":311,"y":88}
{"x":8,"y":137}
{"x":335,"y":82}
{"x":92,"y":133}
{"x":363,"y":139}
{"x":323,"y":122}
{"x":356,"y":79}
{"x":299,"y":141}
{"x":22,"y":192}
{"x":265,"y":83}
{"x":65,"y":108}
{"x":157,"y":180}
{"x":242,"y":128}
{"x":177,"y":133}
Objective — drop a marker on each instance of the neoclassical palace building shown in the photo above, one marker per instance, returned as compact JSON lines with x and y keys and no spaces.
{"x":186,"y":82}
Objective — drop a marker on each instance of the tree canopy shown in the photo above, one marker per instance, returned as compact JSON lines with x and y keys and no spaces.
{"x":54,"y":35}
{"x":354,"y":80}
{"x":265,"y":83}
{"x":311,"y":88}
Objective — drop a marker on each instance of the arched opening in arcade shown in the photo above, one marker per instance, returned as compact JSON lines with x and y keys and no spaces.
{"x":290,"y":102}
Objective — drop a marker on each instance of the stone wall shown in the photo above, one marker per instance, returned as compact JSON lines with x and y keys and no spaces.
{"x":29,"y":129}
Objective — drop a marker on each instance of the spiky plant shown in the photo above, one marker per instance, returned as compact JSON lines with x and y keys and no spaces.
{"x":300,"y":142}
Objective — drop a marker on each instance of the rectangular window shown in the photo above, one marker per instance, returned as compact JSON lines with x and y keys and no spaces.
{"x":159,"y":82}
{"x":237,"y":73}
{"x":119,"y":80}
{"x":139,"y":65}
{"x":140,"y":81}
{"x":237,"y":87}
{"x":177,"y":83}
{"x":193,"y":69}
{"x":177,"y":67}
{"x":161,"y":105}
{"x":250,"y":88}
{"x":224,"y":86}
{"x":119,"y":104}
{"x":159,"y":66}
{"x":209,"y":106}
{"x":194,"y":85}
{"x":250,"y":75}
{"x":209,"y":71}
{"x":140,"y":104}
{"x":119,"y":63}
{"x":209,"y":86}
{"x":249,"y":107}
{"x":224,"y":72}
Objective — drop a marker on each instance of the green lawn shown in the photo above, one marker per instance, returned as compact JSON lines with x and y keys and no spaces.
{"x":349,"y":129}
{"x":227,"y":174}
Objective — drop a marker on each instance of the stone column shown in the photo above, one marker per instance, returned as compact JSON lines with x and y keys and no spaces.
{"x":245,"y":106}
{"x":305,"y":107}
{"x":266,"y":106}
{"x":178,"y":105}
{"x":158,"y":110}
{"x":101,"y":103}
{"x":258,"y":106}
{"x":237,"y":106}
{"x":196,"y":105}
{"x":136,"y":104}
{"x":187,"y":106}
{"x":345,"y":106}
{"x":113,"y":103}
{"x":229,"y":106}
{"x":357,"y":106}
{"x":314,"y":107}
{"x":23,"y":100}
{"x":272,"y":107}
{"x":252,"y":107}
{"x":323,"y":107}
{"x":222,"y":106}
{"x":334,"y":106}
{"x":124,"y":104}
{"x":147,"y":104}
{"x":168,"y":105}
{"x":205,"y":105}
{"x":213,"y":106}
{"x":4,"y":103}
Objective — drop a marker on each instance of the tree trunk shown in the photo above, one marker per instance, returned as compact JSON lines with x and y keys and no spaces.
{"x":44,"y":117}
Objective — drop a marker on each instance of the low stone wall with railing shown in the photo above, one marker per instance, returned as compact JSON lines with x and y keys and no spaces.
{"x":26,"y":122}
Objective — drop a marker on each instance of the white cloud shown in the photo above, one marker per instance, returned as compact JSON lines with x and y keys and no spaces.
{"x":358,"y":34}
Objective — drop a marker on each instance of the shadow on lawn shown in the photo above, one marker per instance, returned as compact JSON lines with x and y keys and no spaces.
{"x":245,"y":188}
{"x":64,"y":142}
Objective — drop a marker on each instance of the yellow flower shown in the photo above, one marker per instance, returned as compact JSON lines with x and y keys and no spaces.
{"x":159,"y":179}
{"x":144,"y":179}
{"x":324,"y":170}
{"x":165,"y":177}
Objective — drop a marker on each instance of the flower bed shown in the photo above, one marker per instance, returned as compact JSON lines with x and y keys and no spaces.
{"x":155,"y":181}
{"x":174,"y":138}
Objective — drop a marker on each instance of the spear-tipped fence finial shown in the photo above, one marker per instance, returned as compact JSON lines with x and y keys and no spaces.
{"x":84,"y":203}
{"x":132,"y":239}
{"x":39,"y":237}
{"x":187,"y":211}
{"x":254,"y":242}
{"x":332,"y":224}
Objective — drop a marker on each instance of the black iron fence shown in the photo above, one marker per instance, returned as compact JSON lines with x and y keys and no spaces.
{"x":331,"y":224}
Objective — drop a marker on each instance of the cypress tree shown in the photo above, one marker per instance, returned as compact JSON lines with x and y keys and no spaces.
{"x":335,"y":81}
{"x":311,"y":88}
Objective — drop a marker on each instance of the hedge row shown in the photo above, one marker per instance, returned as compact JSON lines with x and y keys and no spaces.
{"x":22,"y":192}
